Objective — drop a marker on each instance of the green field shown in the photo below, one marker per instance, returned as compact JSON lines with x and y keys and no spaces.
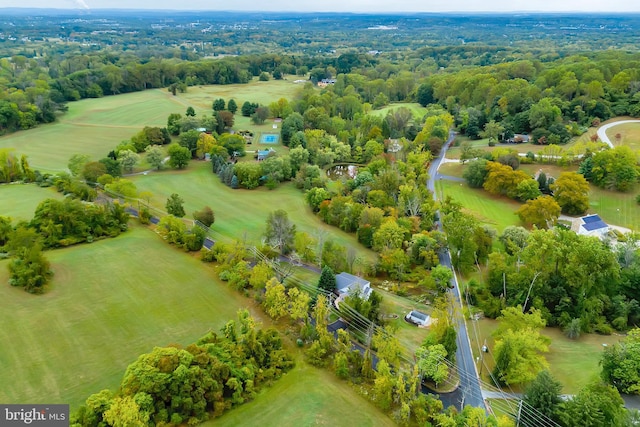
{"x":96,"y":126}
{"x":19,"y":201}
{"x":306,"y":396}
{"x":263,"y":93}
{"x":418,"y":110}
{"x":93,"y":127}
{"x":629,"y":135}
{"x":572,"y":362}
{"x":109,"y":302}
{"x":497,"y":212}
{"x":240,"y":214}
{"x":616,"y":208}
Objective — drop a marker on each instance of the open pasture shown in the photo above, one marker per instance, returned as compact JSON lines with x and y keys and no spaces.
{"x":19,"y":201}
{"x":240,"y":214}
{"x":263,"y":93}
{"x":109,"y":302}
{"x":306,"y":396}
{"x":93,"y":127}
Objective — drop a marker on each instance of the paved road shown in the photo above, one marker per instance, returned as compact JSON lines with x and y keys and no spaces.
{"x":602,"y":130}
{"x":471,"y":393}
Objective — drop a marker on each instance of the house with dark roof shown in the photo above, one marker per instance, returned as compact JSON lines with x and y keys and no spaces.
{"x":590,"y":225}
{"x":348,"y":284}
{"x":418,"y":318}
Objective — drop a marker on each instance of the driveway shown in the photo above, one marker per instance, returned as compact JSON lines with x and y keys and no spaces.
{"x":602,"y":130}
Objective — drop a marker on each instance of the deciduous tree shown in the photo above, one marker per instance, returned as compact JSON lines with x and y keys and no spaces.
{"x":155,"y":156}
{"x":280,"y":232}
{"x":175,"y":205}
{"x":178,"y":156}
{"x":571,"y":191}
{"x":543,"y":212}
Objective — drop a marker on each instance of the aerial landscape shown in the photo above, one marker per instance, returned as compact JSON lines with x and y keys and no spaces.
{"x":345,"y":214}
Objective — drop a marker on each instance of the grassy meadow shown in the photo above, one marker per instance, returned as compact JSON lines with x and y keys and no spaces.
{"x":19,"y":201}
{"x":240,"y":214}
{"x":306,"y":396}
{"x":96,"y":126}
{"x":109,"y":302}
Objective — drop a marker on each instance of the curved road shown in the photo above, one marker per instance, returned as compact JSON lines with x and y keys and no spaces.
{"x":602,"y":130}
{"x":469,"y":390}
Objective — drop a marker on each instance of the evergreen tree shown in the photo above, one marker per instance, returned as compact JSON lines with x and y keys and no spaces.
{"x":327,"y":279}
{"x":232,"y":107}
{"x":543,"y":395}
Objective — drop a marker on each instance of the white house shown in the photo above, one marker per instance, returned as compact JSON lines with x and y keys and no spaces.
{"x":417,"y":318}
{"x":348,"y":284}
{"x":590,"y":225}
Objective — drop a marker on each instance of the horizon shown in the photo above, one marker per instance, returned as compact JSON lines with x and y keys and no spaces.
{"x":341,"y":6}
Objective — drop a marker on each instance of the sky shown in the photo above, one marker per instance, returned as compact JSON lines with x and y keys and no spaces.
{"x":345,"y":5}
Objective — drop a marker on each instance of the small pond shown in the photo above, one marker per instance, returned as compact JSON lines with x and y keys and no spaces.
{"x":344,"y":170}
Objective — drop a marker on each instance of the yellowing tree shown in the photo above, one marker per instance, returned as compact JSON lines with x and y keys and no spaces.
{"x":204,"y":144}
{"x":275,"y":300}
{"x":519,"y":346}
{"x":502,"y":179}
{"x":571,"y":191}
{"x":542,"y":212}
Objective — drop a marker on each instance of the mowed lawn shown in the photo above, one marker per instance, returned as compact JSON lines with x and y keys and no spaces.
{"x":109,"y":302}
{"x":240,"y":214}
{"x":19,"y":201}
{"x":572,"y":362}
{"x":497,"y":212}
{"x":306,"y":396}
{"x":629,"y":135}
{"x":96,"y":126}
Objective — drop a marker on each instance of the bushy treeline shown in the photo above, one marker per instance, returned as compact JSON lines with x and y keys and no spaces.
{"x":14,"y":169}
{"x":173,"y":385}
{"x":578,"y":283}
{"x":69,"y":221}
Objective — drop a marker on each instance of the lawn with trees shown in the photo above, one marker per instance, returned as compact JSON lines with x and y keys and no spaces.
{"x":131,"y":305}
